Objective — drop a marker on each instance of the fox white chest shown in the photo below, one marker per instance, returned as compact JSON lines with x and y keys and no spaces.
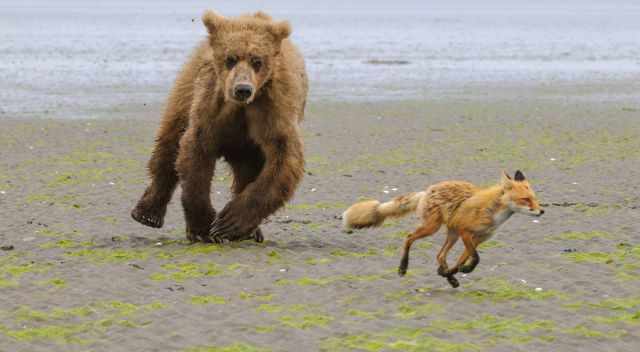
{"x":498,"y":219}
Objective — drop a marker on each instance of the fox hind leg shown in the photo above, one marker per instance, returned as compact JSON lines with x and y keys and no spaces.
{"x":452,"y":238}
{"x":430,"y":226}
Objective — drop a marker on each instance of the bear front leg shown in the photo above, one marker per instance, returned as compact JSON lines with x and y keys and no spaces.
{"x":246,"y":164}
{"x":152,"y":206}
{"x":282,"y":172}
{"x":195,"y":168}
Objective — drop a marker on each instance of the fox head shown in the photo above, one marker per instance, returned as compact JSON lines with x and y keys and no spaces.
{"x":519,"y":196}
{"x":246,"y":51}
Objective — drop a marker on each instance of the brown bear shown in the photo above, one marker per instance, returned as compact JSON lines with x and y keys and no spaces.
{"x":241,"y":97}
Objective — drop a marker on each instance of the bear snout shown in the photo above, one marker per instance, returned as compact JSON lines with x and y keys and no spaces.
{"x":242,"y":91}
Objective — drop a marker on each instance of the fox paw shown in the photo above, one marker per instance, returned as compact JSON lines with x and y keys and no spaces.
{"x":453,"y":281}
{"x":442,"y":271}
{"x":467,"y":268}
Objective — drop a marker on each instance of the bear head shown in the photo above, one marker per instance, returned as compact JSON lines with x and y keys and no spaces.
{"x":245,"y":52}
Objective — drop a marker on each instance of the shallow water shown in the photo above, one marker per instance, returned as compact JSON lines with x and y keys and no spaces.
{"x":75,"y":58}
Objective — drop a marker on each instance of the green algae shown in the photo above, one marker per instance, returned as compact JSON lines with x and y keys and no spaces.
{"x":580,"y":236}
{"x":277,"y":308}
{"x":505,"y":328}
{"x":261,"y":329}
{"x":298,"y":316}
{"x":624,"y":261}
{"x":236,"y":347}
{"x":103,"y":255}
{"x":67,"y":244}
{"x":317,"y":261}
{"x":256,"y":297}
{"x":89,"y":321}
{"x":306,"y":321}
{"x":180,"y":272}
{"x":411,"y":311}
{"x":500,"y":290}
{"x":583,"y":331}
{"x":323,"y":281}
{"x":342,"y":253}
{"x":56,"y":282}
{"x":398,"y":339}
{"x":69,"y":201}
{"x":365,"y":314}
{"x":188,"y":250}
{"x":491,"y":245}
{"x":11,"y":270}
{"x":203,"y":300}
{"x":270,"y":308}
{"x":274,"y":257}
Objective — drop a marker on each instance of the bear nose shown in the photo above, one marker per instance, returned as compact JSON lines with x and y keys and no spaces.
{"x":242,"y":91}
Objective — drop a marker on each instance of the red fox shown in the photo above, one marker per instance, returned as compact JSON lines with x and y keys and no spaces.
{"x":469,"y":212}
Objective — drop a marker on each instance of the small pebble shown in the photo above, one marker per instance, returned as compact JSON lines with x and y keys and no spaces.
{"x":28,"y":239}
{"x":8,"y":247}
{"x":283,"y":270}
{"x":538,"y":289}
{"x":536,"y":221}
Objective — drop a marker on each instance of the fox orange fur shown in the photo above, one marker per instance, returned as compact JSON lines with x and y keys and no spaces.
{"x":469,"y":212}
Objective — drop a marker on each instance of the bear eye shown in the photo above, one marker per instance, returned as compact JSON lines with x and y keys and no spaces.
{"x":231,"y":61}
{"x":256,"y":63}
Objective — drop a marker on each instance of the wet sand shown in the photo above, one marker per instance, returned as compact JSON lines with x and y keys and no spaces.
{"x":77,"y":274}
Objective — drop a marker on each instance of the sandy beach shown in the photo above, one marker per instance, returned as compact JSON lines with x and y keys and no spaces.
{"x":78,"y":274}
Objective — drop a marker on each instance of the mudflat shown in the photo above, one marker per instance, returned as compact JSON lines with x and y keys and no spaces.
{"x":78,"y":274}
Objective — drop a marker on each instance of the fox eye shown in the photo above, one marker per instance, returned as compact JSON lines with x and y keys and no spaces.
{"x":256,"y":63}
{"x":231,"y":61}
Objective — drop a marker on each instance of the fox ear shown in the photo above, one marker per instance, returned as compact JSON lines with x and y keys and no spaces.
{"x":505,"y":179}
{"x":519,"y":176}
{"x":212,"y":21}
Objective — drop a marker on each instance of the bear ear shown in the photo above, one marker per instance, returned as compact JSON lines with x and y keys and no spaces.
{"x":280,"y":30}
{"x":519,"y":176}
{"x":262,"y":16}
{"x":212,"y":21}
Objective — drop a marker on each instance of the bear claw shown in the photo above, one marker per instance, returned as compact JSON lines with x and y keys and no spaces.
{"x":151,"y":220}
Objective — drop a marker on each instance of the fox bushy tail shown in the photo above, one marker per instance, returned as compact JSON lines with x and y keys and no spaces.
{"x":372,"y":213}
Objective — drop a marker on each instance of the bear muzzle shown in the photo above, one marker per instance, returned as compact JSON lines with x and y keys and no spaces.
{"x":242,"y":92}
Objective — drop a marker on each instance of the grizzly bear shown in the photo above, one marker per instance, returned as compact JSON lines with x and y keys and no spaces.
{"x":241,"y":97}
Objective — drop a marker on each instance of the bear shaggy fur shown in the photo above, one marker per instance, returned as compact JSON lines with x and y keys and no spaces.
{"x":240,"y":97}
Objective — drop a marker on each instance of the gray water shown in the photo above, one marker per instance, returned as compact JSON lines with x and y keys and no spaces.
{"x":73,"y":58}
